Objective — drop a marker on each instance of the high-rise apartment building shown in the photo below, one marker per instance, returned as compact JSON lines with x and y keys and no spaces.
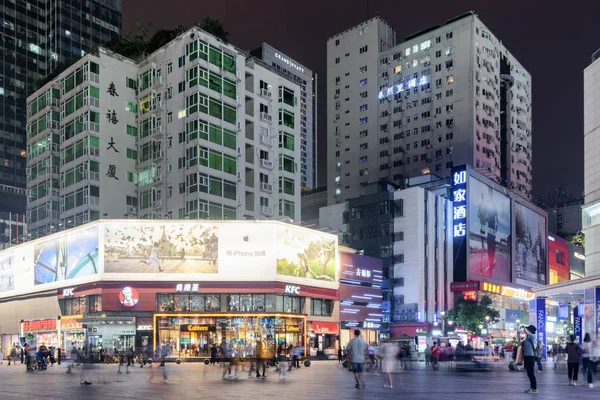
{"x":38,"y":35}
{"x":307,"y":80}
{"x":197,"y":130}
{"x":449,"y":95}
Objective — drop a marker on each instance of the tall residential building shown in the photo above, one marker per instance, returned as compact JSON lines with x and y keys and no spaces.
{"x":307,"y":80}
{"x":197,"y":130}
{"x":37,"y":36}
{"x":449,"y":95}
{"x":591,"y":160}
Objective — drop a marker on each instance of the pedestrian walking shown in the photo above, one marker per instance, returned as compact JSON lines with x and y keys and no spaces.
{"x":529,"y":357}
{"x":435,"y":356}
{"x":538,"y":353}
{"x":589,"y":358}
{"x":261,"y":359}
{"x":283,"y":356}
{"x":389,"y":354}
{"x":427,"y":355}
{"x":573,"y":359}
{"x":358,"y":350}
{"x":340,"y":359}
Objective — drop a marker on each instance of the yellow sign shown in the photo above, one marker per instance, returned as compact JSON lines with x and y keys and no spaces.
{"x":292,"y":329}
{"x":197,"y":328}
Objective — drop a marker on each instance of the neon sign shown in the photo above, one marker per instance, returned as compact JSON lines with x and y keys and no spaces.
{"x":459,"y":199}
{"x":401,"y":87}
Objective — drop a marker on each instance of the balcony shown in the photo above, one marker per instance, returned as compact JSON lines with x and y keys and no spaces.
{"x":266,"y":163}
{"x":157,"y":82}
{"x":157,"y":132}
{"x":266,"y":117}
{"x":266,"y":187}
{"x":157,"y":204}
{"x":157,"y":180}
{"x":266,"y":140}
{"x":158,"y":155}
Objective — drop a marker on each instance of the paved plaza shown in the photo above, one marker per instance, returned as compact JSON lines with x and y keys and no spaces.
{"x":323,"y":380}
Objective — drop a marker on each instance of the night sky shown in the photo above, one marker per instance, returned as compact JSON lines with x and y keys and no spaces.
{"x":553,"y":43}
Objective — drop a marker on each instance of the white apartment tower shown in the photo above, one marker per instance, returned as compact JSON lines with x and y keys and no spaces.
{"x":449,"y":95}
{"x":197,"y":130}
{"x":591,"y":145}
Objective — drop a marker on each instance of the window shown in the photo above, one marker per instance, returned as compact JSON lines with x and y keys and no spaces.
{"x":363,"y":95}
{"x":363,"y":82}
{"x":363,"y":121}
{"x":131,"y":130}
{"x":131,"y":83}
{"x":363,"y":69}
{"x":320,"y":307}
{"x":132,"y":154}
{"x":450,"y":79}
{"x":286,"y":96}
{"x":363,"y":159}
{"x":449,"y":35}
{"x":438,"y":54}
{"x":449,"y":50}
{"x":337,"y":60}
{"x":364,"y":107}
{"x":337,"y":42}
{"x":363,"y":49}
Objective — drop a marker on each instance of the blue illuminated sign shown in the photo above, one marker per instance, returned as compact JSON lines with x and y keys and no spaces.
{"x":399,"y":88}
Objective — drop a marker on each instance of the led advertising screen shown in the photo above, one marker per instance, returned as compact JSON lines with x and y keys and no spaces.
{"x":161,"y":247}
{"x":489,"y":232}
{"x":68,"y":256}
{"x":7,"y":270}
{"x":306,"y":254}
{"x":558,"y":259}
{"x":530,"y":246}
{"x":359,"y":268}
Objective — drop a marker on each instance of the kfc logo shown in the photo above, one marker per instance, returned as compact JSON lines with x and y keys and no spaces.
{"x":292,"y":289}
{"x":129,"y":297}
{"x":68,"y":292}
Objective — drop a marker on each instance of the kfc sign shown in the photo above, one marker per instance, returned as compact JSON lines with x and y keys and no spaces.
{"x":291,"y":289}
{"x":68,"y":292}
{"x":129,"y":296}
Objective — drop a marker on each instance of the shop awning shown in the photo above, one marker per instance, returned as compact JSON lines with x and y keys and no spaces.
{"x":327,"y":328}
{"x":106,"y":321}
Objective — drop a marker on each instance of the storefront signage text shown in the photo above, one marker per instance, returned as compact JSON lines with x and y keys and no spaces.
{"x":144,"y":327}
{"x":291,"y":289}
{"x":197,"y":328}
{"x":292,"y":329}
{"x":365,"y":273}
{"x":459,"y":208}
{"x":68,"y":292}
{"x":464,"y":286}
{"x":508,"y":291}
{"x":471,"y":296}
{"x":187,"y":287}
{"x":39,"y":325}
{"x":399,"y":88}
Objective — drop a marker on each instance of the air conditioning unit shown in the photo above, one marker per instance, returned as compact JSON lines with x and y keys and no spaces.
{"x":267,"y":187}
{"x":131,"y":210}
{"x":265,"y":92}
{"x":266,"y":116}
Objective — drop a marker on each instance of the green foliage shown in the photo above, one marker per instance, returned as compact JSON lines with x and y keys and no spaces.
{"x":577,"y":239}
{"x":214,"y":27}
{"x":471,"y":314}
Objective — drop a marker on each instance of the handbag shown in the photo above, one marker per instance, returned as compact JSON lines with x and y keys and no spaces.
{"x":519,"y":359}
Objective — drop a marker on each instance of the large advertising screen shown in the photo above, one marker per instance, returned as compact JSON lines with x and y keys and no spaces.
{"x":161,"y":247}
{"x":7,"y":271}
{"x":306,"y":254}
{"x":489,"y":232}
{"x":69,"y":256}
{"x":530,"y":246}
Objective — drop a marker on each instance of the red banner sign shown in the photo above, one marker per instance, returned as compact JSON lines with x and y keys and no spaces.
{"x":327,"y":328}
{"x":39,"y":325}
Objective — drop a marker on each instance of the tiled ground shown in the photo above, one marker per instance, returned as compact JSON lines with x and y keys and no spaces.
{"x":323,"y":380}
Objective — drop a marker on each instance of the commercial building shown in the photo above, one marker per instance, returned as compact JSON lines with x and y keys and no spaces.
{"x":312,"y":202}
{"x":307,"y":80}
{"x":185,"y":284}
{"x":197,"y":130}
{"x":446,"y":96}
{"x":407,"y":230}
{"x":38,"y":37}
{"x":565,"y":218}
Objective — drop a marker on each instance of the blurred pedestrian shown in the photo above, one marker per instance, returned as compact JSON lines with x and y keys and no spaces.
{"x":435,"y":356}
{"x":538,"y":353}
{"x":340,"y":359}
{"x":358,"y":350}
{"x":529,"y":357}
{"x":389,"y":354}
{"x":261,"y":359}
{"x":427,"y":355}
{"x":588,"y":358}
{"x":573,"y":360}
{"x":282,"y":356}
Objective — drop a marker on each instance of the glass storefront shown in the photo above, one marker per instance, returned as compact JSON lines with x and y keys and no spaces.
{"x":195,"y":335}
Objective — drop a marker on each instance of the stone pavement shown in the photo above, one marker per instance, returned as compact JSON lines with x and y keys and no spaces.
{"x":323,"y":380}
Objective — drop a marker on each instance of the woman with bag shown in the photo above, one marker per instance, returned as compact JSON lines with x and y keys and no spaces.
{"x":573,"y":360}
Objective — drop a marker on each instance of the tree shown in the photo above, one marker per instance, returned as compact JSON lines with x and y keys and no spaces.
{"x":214,"y":27}
{"x":471,"y":314}
{"x":577,"y":239}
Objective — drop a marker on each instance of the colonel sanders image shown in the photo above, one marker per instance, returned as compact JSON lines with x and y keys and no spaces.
{"x":129,"y":297}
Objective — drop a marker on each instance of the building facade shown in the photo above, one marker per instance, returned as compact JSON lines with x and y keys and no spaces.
{"x":591,"y":207}
{"x":407,"y":230}
{"x":197,"y":130}
{"x":185,"y":285}
{"x":38,"y":37}
{"x":307,"y":80}
{"x":565,"y":218}
{"x":446,"y":96}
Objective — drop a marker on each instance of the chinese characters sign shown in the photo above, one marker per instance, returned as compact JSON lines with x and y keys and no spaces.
{"x":401,"y":87}
{"x":458,"y":214}
{"x":365,"y":273}
{"x":187,"y":287}
{"x":39,"y":325}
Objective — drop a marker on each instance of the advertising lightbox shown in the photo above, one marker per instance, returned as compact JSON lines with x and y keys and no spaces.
{"x":530,"y":258}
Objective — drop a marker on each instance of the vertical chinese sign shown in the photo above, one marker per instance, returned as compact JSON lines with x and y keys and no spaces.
{"x":459,"y":222}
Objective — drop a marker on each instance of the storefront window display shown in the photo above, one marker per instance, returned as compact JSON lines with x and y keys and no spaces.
{"x":194,"y":336}
{"x":511,"y":303}
{"x":188,"y":302}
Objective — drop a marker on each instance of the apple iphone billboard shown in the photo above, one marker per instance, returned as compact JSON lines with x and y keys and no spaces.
{"x":68,"y":256}
{"x":152,"y":247}
{"x":306,"y":255}
{"x":247,"y":251}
